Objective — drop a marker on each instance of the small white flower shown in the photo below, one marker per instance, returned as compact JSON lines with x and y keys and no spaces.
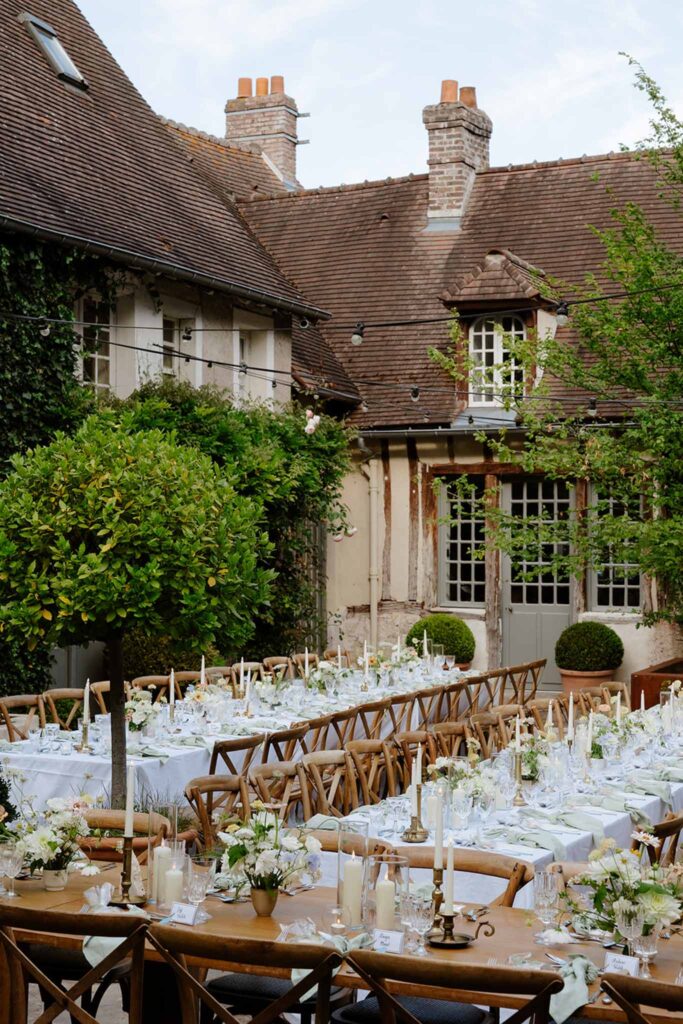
{"x":90,"y":869}
{"x":646,"y":838}
{"x":312,"y":844}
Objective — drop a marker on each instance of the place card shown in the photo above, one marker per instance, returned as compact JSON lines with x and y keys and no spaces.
{"x":183,"y":913}
{"x":618,"y":963}
{"x":386,"y":941}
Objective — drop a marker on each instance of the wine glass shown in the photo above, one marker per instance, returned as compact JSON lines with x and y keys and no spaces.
{"x":645,"y":948}
{"x":629,"y":921}
{"x":11,"y":864}
{"x":421,"y":920}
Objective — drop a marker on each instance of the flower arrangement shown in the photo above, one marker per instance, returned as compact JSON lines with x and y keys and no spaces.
{"x":474,"y":779}
{"x":141,"y":709}
{"x":50,"y":840}
{"x":324,"y":672}
{"x":624,"y":880}
{"x":266,"y":854}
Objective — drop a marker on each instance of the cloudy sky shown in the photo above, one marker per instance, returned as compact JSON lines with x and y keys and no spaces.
{"x":548,"y":72}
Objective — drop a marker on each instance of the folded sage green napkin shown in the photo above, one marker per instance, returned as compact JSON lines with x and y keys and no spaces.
{"x":578,"y":973}
{"x":652,"y":787}
{"x":672,"y":774}
{"x":619,"y":802}
{"x":585,"y":823}
{"x":340,"y":943}
{"x":150,"y":751}
{"x":536,"y":837}
{"x":322,"y":821}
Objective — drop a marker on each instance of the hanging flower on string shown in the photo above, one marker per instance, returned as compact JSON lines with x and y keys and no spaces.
{"x":312,"y":422}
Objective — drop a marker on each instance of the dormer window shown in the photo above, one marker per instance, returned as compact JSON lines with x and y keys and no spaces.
{"x":47,"y":40}
{"x":494,"y":371}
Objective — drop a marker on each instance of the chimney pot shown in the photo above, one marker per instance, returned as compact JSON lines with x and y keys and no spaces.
{"x":243,"y":88}
{"x":277,"y":84}
{"x":261,"y":86}
{"x":449,"y":91}
{"x":468,"y":96}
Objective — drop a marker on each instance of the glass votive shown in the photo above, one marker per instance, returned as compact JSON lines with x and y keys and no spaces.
{"x":351,"y":870}
{"x":388,"y":883}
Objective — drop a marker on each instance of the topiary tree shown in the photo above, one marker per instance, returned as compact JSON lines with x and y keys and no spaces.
{"x":114,"y":529}
{"x":442,"y":628}
{"x":589,"y":647}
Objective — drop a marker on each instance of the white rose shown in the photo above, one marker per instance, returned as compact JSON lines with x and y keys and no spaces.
{"x":312,"y":844}
{"x":290,"y":843}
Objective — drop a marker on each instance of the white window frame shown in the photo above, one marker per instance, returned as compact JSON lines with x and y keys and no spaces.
{"x":595,"y":586}
{"x":100,"y":358}
{"x":449,"y":536}
{"x":489,"y":334}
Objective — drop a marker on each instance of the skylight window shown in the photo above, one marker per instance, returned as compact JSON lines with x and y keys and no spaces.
{"x":47,"y":40}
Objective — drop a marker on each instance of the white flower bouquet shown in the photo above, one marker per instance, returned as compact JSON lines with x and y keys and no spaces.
{"x":267,"y":854}
{"x":51,"y":840}
{"x":476,"y":780}
{"x":141,"y":709}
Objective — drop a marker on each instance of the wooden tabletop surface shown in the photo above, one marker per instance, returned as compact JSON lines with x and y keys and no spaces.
{"x":515,"y":930}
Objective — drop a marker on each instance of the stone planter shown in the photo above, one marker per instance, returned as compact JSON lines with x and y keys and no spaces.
{"x":264,"y":901}
{"x":573,"y":681}
{"x":54,"y":881}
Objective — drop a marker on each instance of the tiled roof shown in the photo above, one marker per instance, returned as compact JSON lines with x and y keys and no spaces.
{"x":362,"y":253}
{"x":98,"y":166}
{"x":501,"y":277}
{"x":235,"y":171}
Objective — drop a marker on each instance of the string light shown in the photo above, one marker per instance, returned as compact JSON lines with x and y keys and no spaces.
{"x":357,"y":336}
{"x":415,"y":394}
{"x":187,"y":334}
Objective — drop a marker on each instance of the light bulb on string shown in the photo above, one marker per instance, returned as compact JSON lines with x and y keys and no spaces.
{"x":187,"y":334}
{"x":415,"y":394}
{"x":562,"y":314}
{"x":358,"y":334}
{"x":44,"y":328}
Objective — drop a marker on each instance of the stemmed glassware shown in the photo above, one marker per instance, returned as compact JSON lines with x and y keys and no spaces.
{"x":11,"y":863}
{"x":421,"y":919}
{"x":645,"y":948}
{"x":629,"y":921}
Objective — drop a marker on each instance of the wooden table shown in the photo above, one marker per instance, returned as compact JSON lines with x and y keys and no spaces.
{"x":515,"y":931}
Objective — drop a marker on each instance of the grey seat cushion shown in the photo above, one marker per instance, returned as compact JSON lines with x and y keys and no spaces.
{"x":239,"y":989}
{"x":427,"y":1011}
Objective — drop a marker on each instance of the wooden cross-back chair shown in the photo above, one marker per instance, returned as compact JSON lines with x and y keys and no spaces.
{"x":371,"y":718}
{"x":300,"y":662}
{"x":668,"y":831}
{"x":212,"y":796}
{"x":538,"y":709}
{"x":23,"y":964}
{"x":216,"y":672}
{"x":327,"y":786}
{"x":284,"y":744}
{"x":183,"y":680}
{"x":99,"y":691}
{"x":590,"y":698}
{"x":427,"y":706}
{"x":331,"y":654}
{"x":69,"y":695}
{"x":373,"y":765}
{"x":381,"y":971}
{"x":244,"y":994}
{"x":401,"y":712}
{"x":518,"y":873}
{"x":342,"y":728}
{"x":492,"y":728}
{"x":278,"y":785}
{"x":460,"y":700}
{"x":610,"y":691}
{"x":20,"y":714}
{"x":407,"y":744}
{"x":253,"y":667}
{"x":224,"y":754}
{"x":280,"y":666}
{"x":159,"y":685}
{"x":316,"y":733}
{"x":523,"y":681}
{"x":632,"y":993}
{"x":147,"y":827}
{"x":492,"y":690}
{"x":450,"y":738}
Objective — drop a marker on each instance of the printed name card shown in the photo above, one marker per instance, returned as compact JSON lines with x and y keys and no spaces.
{"x":385,"y":941}
{"x":183,"y":913}
{"x":620,"y":964}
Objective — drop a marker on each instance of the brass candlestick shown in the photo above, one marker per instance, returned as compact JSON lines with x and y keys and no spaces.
{"x":84,"y":747}
{"x":123,"y":897}
{"x":443,"y":932}
{"x":518,"y":799}
{"x":437,"y":893}
{"x":416,"y":832}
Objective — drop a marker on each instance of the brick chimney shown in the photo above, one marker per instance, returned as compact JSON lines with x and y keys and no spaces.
{"x":267,"y":117}
{"x":459,"y":135}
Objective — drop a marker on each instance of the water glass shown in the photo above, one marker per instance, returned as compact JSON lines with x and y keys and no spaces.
{"x":201,"y":874}
{"x":546,"y":896}
{"x":11,"y":863}
{"x":422,"y":919}
{"x":629,"y":921}
{"x":645,"y":948}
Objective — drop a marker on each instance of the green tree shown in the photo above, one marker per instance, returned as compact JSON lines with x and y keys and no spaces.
{"x":625,"y":435}
{"x":297,"y":477}
{"x":115,"y":528}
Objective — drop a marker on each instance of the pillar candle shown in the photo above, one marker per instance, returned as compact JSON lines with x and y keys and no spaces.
{"x":352,"y":889}
{"x":438,"y":832}
{"x":202,"y":672}
{"x":86,"y":703}
{"x":570,"y":721}
{"x":385,"y":904}
{"x":642,"y":700}
{"x":162,"y":858}
{"x":130,"y":801}
{"x":618,"y":710}
{"x":448,"y":889}
{"x":173,"y":886}
{"x":171,"y":689}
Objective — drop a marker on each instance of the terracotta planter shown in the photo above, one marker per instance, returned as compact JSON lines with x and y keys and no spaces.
{"x":54,"y":881}
{"x":573,"y":681}
{"x":264,"y":901}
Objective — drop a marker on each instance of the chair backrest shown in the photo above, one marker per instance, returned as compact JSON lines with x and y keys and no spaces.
{"x":373,"y":765}
{"x":147,"y":828}
{"x":183,"y":679}
{"x":100,"y":692}
{"x":407,"y":743}
{"x":176,"y":945}
{"x":538,"y":709}
{"x":460,"y":699}
{"x":324,"y":781}
{"x":427,"y":706}
{"x":299,"y":661}
{"x":65,"y":717}
{"x":30,"y":708}
{"x":590,"y":698}
{"x":157,"y":684}
{"x":278,"y":785}
{"x":451,"y":738}
{"x":332,"y":655}
{"x":523,"y":681}
{"x":281,"y":666}
{"x":610,"y":691}
{"x":492,"y":690}
{"x":668,"y":832}
{"x":378,"y":969}
{"x":632,"y":993}
{"x":17,"y":968}
{"x":255,"y":668}
{"x":342,"y":728}
{"x":492,"y":728}
{"x":283,"y":745}
{"x":226,"y":751}
{"x":358,"y":844}
{"x":316,"y":733}
{"x":496,"y":865}
{"x":216,"y":799}
{"x":401,"y":712}
{"x":371,"y":718}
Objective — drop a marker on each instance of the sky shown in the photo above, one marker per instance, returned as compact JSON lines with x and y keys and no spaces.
{"x":547,"y":72}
